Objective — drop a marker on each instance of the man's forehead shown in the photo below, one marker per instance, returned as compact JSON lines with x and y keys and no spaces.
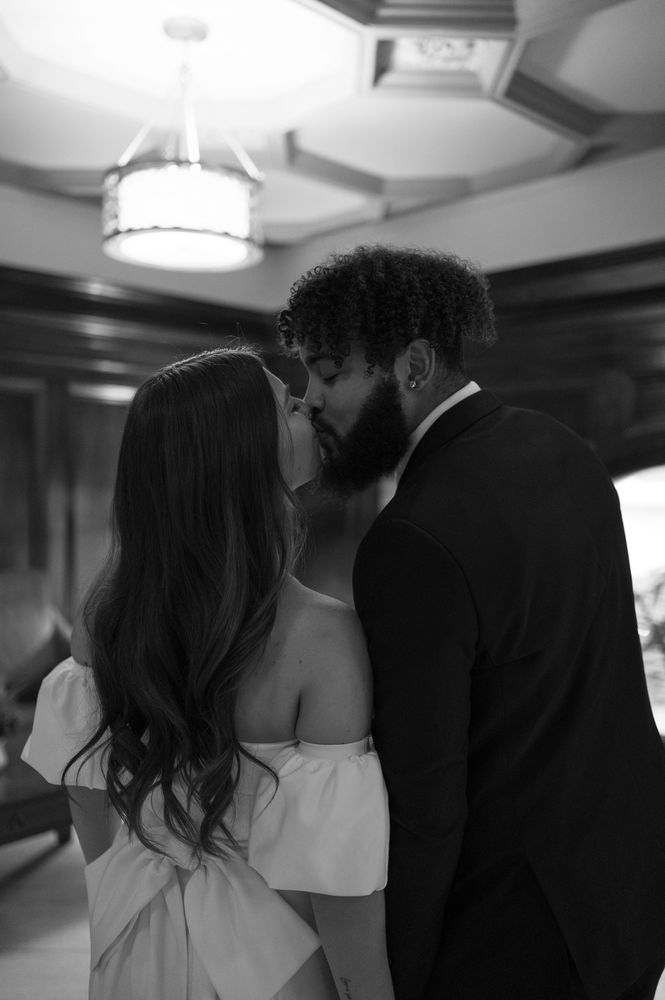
{"x":313,"y":352}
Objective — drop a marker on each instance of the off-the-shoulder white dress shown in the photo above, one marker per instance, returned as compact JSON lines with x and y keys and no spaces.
{"x":163,"y":928}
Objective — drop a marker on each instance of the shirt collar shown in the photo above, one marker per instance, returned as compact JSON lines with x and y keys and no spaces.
{"x":467,"y":390}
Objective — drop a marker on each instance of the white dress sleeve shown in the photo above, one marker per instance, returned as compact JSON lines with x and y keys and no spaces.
{"x":65,"y":719}
{"x":324,"y":829}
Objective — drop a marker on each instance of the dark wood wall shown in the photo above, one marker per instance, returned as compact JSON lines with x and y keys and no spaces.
{"x":582,"y":339}
{"x":72,"y":353}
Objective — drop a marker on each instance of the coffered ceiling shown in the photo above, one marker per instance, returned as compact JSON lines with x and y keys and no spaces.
{"x":355,"y":110}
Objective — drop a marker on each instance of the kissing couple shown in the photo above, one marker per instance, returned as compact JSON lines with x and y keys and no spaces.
{"x":502,"y":835}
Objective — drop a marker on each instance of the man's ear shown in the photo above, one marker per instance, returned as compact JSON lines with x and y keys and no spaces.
{"x":417,"y":366}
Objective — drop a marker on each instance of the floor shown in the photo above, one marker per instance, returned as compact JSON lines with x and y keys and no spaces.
{"x":43,"y":922}
{"x":44,"y":951}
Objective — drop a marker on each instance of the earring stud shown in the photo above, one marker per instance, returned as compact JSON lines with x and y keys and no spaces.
{"x":412,"y":383}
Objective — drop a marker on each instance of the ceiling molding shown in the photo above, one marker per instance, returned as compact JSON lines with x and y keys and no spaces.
{"x":549,"y":107}
{"x":285,"y":234}
{"x":431,"y":190}
{"x":418,"y":82}
{"x":629,"y":134}
{"x":67,"y":183}
{"x":594,"y":153}
{"x":322,"y":168}
{"x":559,"y":159}
{"x":417,"y":190}
{"x":485,"y":17}
{"x":361,"y":11}
{"x":536,"y":17}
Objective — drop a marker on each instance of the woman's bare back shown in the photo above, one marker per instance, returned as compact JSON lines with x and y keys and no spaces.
{"x":313,"y":681}
{"x":315,"y":657}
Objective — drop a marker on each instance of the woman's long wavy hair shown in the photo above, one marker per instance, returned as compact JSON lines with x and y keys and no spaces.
{"x":204,"y":533}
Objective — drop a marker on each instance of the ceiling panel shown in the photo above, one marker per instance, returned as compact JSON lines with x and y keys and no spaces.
{"x":611,"y":61}
{"x":354,"y":109}
{"x":399,"y":136}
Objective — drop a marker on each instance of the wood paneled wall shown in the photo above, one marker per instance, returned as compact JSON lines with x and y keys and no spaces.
{"x":72,"y":353}
{"x":582,"y":339}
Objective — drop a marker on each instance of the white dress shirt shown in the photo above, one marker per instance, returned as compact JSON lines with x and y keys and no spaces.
{"x":424,"y":425}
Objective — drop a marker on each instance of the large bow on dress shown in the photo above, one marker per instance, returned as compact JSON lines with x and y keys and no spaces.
{"x":249,"y":941}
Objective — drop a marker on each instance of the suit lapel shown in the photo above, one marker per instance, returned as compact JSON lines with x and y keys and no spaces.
{"x":449,"y":425}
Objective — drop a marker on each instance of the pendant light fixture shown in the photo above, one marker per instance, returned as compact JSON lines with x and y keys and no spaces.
{"x":167,"y":208}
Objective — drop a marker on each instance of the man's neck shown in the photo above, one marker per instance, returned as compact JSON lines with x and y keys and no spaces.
{"x":432,"y":415}
{"x":431,"y":401}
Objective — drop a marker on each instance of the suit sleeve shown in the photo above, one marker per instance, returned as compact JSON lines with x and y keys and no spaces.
{"x":420,"y":622}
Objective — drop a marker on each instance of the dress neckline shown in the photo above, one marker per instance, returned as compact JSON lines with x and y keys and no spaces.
{"x":277,"y":745}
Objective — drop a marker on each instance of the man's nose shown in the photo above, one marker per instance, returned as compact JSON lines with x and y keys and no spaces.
{"x":313,"y":399}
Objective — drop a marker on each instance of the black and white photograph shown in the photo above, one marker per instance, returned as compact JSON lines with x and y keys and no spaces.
{"x":332,"y":500}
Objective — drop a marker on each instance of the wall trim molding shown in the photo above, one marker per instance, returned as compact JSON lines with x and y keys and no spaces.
{"x":584,"y":339}
{"x":42,"y":291}
{"x":605,"y":272}
{"x":97,"y":329}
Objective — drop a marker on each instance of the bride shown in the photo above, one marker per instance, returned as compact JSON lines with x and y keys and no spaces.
{"x":212,"y":726}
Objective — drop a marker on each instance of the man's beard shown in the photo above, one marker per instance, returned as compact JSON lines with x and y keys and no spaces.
{"x":372,"y":448}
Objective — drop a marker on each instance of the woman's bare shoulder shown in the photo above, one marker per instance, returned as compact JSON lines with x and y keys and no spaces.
{"x":327,"y":648}
{"x":313,"y":617}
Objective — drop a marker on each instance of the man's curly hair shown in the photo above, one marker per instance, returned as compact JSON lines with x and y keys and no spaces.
{"x":385,"y":297}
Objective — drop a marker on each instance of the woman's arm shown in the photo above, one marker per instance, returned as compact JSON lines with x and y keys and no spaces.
{"x":336,"y":707}
{"x":80,"y":643}
{"x":94,"y":819}
{"x":353,"y":935}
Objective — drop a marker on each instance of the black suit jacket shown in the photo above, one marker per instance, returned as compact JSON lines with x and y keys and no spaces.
{"x":525,"y":773}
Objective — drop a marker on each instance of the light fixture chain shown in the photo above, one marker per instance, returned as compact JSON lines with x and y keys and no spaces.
{"x":243,"y":157}
{"x":135,"y":143}
{"x":191,"y":135}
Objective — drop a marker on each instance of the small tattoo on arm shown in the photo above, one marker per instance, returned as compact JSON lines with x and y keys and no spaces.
{"x":346,"y":987}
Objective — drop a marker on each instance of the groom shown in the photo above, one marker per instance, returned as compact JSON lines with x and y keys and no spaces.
{"x":525,"y":774}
